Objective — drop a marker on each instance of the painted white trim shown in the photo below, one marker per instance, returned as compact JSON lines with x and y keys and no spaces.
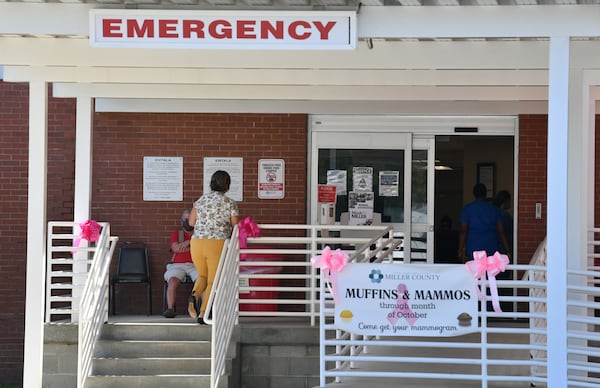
{"x":426,"y":108}
{"x":472,"y":55}
{"x":295,"y":92}
{"x":434,"y":125}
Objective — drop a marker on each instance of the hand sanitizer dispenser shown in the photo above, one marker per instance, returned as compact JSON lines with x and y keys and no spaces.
{"x":327,"y":213}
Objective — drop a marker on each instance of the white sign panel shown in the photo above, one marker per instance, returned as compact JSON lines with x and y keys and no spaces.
{"x":163,"y":178}
{"x":406,"y":299}
{"x":212,"y":29}
{"x":271,"y":178}
{"x":235,"y":168}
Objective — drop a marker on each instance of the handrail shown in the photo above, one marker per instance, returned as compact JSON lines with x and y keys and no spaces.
{"x":93,"y":305}
{"x":221,"y":309}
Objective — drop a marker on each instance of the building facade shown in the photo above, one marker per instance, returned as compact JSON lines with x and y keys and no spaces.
{"x":76,"y":122}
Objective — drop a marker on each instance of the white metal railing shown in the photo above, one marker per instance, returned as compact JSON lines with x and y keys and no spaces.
{"x":77,"y":285}
{"x":583,"y":322}
{"x":537,"y":304}
{"x":68,"y":261}
{"x":93,"y":305}
{"x":276,"y":278}
{"x":280,"y":257}
{"x":500,"y":351}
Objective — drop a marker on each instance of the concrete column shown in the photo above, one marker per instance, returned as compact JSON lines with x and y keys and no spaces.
{"x":36,"y":234}
{"x":558,"y":140}
{"x":82,"y":195}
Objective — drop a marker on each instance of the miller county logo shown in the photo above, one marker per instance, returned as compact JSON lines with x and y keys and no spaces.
{"x":375,"y":276}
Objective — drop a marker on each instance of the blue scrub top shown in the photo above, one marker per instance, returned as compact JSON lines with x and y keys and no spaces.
{"x":481,"y":218}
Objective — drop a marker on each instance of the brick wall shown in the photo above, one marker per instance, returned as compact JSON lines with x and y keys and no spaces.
{"x":122,"y":140}
{"x":533,"y":147}
{"x":13,"y":206}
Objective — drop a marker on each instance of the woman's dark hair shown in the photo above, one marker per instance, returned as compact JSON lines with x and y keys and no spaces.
{"x":220,"y":181}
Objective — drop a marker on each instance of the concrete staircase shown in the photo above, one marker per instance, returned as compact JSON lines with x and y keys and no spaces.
{"x":152,"y":356}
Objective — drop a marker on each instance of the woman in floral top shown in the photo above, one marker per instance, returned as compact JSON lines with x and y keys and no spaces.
{"x":213,"y":217}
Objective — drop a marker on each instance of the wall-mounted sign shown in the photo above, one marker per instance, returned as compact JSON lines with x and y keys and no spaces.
{"x":163,"y":178}
{"x":271,"y":178}
{"x":212,"y":29}
{"x":235,"y":168}
{"x":406,"y":300}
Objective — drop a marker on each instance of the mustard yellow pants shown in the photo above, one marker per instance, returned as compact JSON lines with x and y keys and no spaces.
{"x":206,"y":253}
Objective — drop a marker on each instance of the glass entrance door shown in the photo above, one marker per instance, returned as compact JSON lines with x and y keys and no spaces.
{"x":390,"y":174}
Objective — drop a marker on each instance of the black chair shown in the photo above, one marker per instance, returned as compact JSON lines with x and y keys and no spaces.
{"x":187,"y":280}
{"x":132,"y":268}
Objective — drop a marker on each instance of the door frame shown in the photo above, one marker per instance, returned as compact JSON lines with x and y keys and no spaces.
{"x":409,"y":132}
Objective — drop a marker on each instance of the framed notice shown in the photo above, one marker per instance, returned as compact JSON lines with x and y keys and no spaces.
{"x":485,"y":175}
{"x":235,"y":168}
{"x":163,"y":178}
{"x":271,"y":179}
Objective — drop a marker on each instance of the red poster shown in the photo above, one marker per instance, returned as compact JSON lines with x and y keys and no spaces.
{"x":326,"y":194}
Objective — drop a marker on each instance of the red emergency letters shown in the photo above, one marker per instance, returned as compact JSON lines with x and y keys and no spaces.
{"x":237,"y":29}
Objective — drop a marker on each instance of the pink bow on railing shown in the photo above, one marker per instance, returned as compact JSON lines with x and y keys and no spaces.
{"x":330,"y":263}
{"x":90,"y":231}
{"x":492,"y":265}
{"x":247,"y":228}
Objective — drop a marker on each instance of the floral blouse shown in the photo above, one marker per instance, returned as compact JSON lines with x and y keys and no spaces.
{"x":213,"y":218}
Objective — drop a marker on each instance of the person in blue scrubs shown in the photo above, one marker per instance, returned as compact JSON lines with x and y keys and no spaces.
{"x":481,"y":226}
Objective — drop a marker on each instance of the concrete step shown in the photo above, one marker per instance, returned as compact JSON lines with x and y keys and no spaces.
{"x":164,"y":381}
{"x":146,"y":348}
{"x":156,"y":332}
{"x":150,"y":366}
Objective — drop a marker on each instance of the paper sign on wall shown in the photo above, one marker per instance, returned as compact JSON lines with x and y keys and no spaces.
{"x":235,"y":169}
{"x":163,"y":178}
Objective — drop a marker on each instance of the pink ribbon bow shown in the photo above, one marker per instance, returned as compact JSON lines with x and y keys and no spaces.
{"x":90,"y":231}
{"x":492,"y":265}
{"x":247,"y":228}
{"x":330,"y":263}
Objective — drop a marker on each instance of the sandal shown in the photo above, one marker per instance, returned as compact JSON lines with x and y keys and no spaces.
{"x":192,"y":306}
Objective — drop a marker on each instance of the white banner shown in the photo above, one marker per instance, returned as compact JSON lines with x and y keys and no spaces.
{"x":406,"y":299}
{"x":262,"y":30}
